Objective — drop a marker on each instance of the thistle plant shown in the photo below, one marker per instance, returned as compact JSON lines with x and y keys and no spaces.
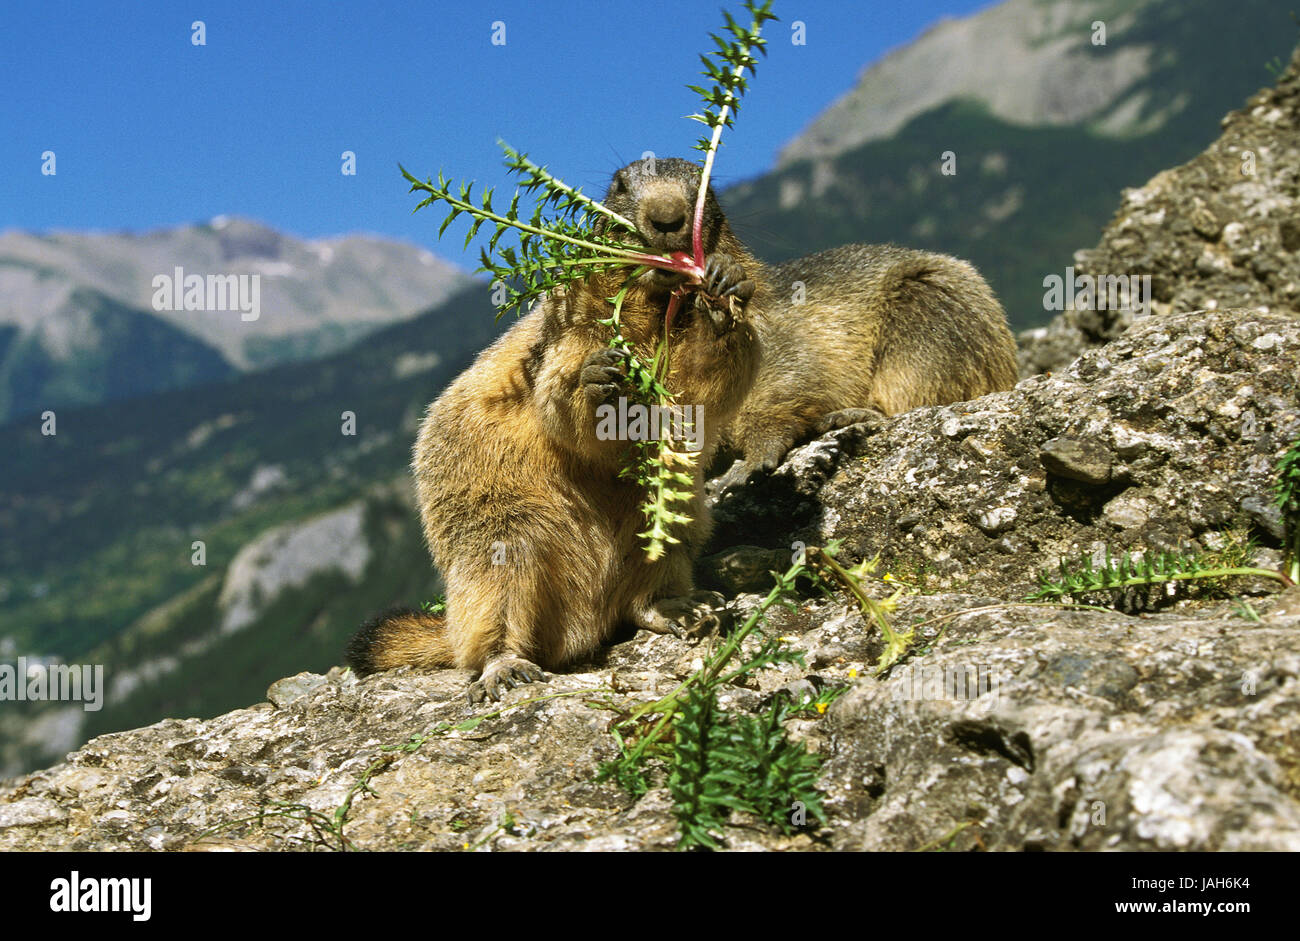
{"x":718,"y":761}
{"x":567,"y":236}
{"x":723,"y":762}
{"x":560,"y":241}
{"x":726,"y":70}
{"x":1082,"y":576}
{"x":661,"y":467}
{"x":1288,"y":501}
{"x":553,"y":245}
{"x":1074,"y":577}
{"x":897,"y":642}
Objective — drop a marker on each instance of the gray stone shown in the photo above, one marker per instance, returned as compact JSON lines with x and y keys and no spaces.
{"x":283,"y":692}
{"x":742,"y":568}
{"x":30,"y":812}
{"x":1077,"y":459}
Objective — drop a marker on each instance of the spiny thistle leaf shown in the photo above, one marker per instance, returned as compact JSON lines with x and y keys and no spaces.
{"x":555,"y":243}
{"x":1081,"y":576}
{"x":1288,"y":501}
{"x":717,"y":761}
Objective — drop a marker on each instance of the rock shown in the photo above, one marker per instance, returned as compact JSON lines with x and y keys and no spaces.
{"x":1077,"y":459}
{"x":1265,"y":514}
{"x":30,"y":812}
{"x":1097,"y":732}
{"x":741,"y":568}
{"x":1130,"y":447}
{"x":996,"y":520}
{"x":283,"y":692}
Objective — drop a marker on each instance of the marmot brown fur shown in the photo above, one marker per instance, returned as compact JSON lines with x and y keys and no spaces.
{"x":523,"y":506}
{"x":859,"y":332}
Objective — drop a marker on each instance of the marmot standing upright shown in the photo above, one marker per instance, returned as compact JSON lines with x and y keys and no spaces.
{"x":523,"y":506}
{"x":879,"y":330}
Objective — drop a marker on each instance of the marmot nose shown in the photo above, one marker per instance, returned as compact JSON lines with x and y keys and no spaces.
{"x":667,"y":214}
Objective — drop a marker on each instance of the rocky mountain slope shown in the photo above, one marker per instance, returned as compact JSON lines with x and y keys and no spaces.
{"x":72,"y":301}
{"x":1045,"y":129}
{"x":1222,"y":230}
{"x":1031,"y":63}
{"x":1165,"y":720}
{"x":91,"y":349}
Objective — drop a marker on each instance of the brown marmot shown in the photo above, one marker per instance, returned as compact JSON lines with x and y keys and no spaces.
{"x":855,"y":333}
{"x":522,"y":502}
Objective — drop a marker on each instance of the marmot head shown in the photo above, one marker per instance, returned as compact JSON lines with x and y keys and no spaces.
{"x":658,"y":194}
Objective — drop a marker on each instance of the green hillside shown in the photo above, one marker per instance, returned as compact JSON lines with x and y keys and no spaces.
{"x":124,"y":490}
{"x":99,"y":520}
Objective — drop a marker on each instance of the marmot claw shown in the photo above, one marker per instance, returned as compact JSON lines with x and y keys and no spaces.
{"x":724,"y":277}
{"x":501,"y":674}
{"x":689,"y":617}
{"x":602,"y":375}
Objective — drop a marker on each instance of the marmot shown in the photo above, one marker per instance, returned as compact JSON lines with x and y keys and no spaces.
{"x":523,"y":506}
{"x":878,"y":330}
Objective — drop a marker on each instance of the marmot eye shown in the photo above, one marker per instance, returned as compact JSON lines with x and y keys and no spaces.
{"x":618,"y":187}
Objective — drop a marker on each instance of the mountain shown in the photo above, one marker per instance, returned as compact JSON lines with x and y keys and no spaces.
{"x":71,"y":299}
{"x":91,"y":349}
{"x":1028,"y":62}
{"x":1045,"y":130}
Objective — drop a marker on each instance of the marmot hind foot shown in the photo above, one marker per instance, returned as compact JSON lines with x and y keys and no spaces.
{"x":502,"y":674}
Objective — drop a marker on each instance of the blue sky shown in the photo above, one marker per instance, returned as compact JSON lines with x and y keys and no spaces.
{"x":150,"y":130}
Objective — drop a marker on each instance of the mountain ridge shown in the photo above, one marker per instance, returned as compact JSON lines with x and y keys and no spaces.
{"x":315,"y":296}
{"x":1037,"y":63}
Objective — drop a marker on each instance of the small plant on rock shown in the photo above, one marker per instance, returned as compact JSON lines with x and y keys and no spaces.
{"x":1288,"y":501}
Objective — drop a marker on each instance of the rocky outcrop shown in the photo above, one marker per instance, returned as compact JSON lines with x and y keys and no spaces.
{"x":1009,"y":727}
{"x":1165,"y":439}
{"x":1220,"y":231}
{"x":288,"y":556}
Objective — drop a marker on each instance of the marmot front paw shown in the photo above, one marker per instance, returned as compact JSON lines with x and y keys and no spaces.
{"x":602,"y":376}
{"x":727,"y":290}
{"x":724,"y":277}
{"x":873,"y":418}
